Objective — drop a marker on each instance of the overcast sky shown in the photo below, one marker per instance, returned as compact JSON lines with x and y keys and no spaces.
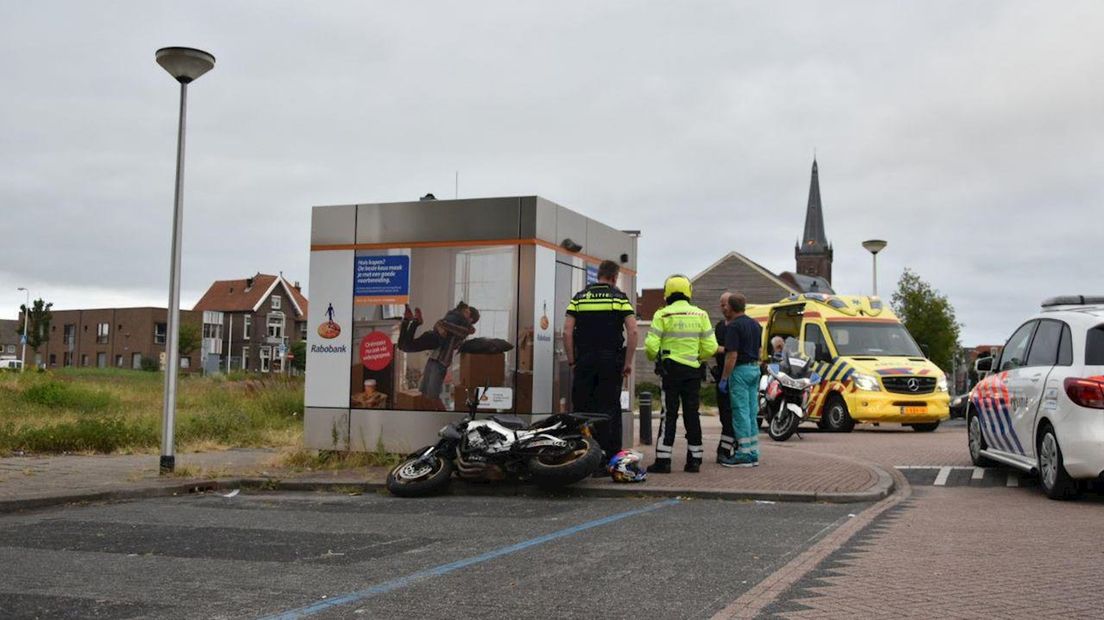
{"x":967,"y":134}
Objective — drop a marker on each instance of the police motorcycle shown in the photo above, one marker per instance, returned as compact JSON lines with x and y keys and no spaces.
{"x":785,"y":396}
{"x":554,"y":452}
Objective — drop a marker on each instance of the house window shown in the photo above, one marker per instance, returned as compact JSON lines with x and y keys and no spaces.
{"x":84,"y":359}
{"x":136,"y":361}
{"x":53,"y":359}
{"x":303,"y":330}
{"x":102,"y":332}
{"x":247,"y":327}
{"x":266,"y":353}
{"x":69,"y":337}
{"x":245,"y":358}
{"x":67,"y":358}
{"x":159,"y":331}
{"x":101,"y":360}
{"x":276,"y":325}
{"x":11,"y":348}
{"x":212,"y":330}
{"x":185,"y":362}
{"x":119,"y":361}
{"x":276,"y":301}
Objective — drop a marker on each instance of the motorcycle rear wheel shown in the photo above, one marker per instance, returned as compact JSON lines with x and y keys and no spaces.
{"x":563,"y":468}
{"x":413,"y":478}
{"x":783,"y":425}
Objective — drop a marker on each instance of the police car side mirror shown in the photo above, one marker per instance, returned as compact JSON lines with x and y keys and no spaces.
{"x":984,"y":364}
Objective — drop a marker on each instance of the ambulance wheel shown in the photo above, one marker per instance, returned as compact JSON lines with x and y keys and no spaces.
{"x":925,"y":427}
{"x":836,"y":417}
{"x":976,"y":441}
{"x":1053,"y":477}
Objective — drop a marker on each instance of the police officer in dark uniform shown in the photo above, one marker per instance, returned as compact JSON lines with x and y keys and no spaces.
{"x":596,"y":351}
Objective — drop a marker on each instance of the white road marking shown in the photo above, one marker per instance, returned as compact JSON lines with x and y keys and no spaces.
{"x":1013,"y":479}
{"x":941,"y":479}
{"x":978,"y":474}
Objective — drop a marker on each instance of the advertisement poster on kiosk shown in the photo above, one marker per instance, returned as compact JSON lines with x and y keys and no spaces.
{"x":432,"y":324}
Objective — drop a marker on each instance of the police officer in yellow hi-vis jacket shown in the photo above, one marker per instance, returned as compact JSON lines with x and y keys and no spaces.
{"x":681,"y":338}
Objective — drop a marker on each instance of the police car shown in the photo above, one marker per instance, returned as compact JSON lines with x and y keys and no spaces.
{"x":1040,"y":408}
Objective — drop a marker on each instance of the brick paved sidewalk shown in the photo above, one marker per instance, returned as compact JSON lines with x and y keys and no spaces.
{"x":788,"y":472}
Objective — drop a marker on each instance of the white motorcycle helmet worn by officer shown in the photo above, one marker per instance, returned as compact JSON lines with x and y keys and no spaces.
{"x":628,"y":466}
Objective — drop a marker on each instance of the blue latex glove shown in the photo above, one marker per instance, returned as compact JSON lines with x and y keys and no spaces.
{"x":722,"y":385}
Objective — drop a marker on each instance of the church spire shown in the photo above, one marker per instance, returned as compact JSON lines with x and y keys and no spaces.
{"x":814,"y":240}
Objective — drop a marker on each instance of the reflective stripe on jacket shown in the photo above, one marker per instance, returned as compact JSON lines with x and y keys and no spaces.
{"x":683,"y":332}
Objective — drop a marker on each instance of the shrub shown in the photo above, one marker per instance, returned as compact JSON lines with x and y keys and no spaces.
{"x":150,"y":364}
{"x":709,"y":394}
{"x":647,"y":386}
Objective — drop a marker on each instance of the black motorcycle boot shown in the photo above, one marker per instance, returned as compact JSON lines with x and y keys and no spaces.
{"x":660,"y":466}
{"x":692,"y":466}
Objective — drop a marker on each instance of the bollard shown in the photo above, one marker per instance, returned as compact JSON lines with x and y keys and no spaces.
{"x":645,"y":401}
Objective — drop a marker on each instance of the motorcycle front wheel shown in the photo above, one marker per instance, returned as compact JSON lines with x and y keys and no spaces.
{"x":783,"y":424}
{"x":557,"y":469}
{"x":416,"y":477}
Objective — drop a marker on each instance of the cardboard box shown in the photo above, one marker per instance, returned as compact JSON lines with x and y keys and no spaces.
{"x":482,"y":370}
{"x":408,"y":400}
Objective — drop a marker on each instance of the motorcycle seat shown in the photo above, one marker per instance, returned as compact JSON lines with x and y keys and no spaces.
{"x":510,"y":421}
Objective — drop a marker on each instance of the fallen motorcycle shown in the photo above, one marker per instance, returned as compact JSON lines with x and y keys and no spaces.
{"x":554,"y":452}
{"x":786,"y":396}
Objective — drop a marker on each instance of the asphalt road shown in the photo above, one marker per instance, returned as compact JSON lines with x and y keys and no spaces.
{"x":335,"y":556}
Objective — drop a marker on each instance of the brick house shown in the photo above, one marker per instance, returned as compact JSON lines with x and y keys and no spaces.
{"x":111,"y":337}
{"x":9,"y":338}
{"x":259,"y":313}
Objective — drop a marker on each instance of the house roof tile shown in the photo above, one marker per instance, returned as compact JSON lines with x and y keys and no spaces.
{"x":245,"y":294}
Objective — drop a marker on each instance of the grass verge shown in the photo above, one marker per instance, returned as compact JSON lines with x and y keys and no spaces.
{"x":107,"y":410}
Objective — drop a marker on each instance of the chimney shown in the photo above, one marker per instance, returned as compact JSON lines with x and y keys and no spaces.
{"x":297,"y":287}
{"x":248,"y":283}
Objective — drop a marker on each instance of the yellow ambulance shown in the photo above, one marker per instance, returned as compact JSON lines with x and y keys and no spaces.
{"x":871,"y":368}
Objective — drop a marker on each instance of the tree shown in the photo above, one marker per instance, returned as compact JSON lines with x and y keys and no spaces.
{"x":928,"y":316}
{"x":299,"y":351}
{"x":38,"y":328}
{"x":189,"y":339}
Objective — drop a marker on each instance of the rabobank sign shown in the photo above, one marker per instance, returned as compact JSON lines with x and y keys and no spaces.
{"x":328,"y":348}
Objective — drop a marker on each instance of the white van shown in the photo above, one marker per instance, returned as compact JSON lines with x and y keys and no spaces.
{"x":11,"y":364}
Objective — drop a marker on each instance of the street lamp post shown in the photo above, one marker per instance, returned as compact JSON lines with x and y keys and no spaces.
{"x":874,"y":246}
{"x":186,"y":65}
{"x":26,"y":323}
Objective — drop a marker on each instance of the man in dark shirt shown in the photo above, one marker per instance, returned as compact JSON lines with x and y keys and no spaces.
{"x":743,"y":343}
{"x":595,"y":349}
{"x":724,"y":404}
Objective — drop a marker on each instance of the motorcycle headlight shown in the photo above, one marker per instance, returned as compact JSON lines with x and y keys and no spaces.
{"x":868,"y":383}
{"x":941,"y":384}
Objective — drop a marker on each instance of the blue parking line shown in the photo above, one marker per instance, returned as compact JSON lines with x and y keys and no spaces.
{"x":402,"y":582}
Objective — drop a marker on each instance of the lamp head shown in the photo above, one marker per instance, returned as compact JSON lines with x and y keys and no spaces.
{"x":874,"y":245}
{"x":185,"y":64}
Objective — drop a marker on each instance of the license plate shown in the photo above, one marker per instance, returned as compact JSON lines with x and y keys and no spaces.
{"x":912,"y":410}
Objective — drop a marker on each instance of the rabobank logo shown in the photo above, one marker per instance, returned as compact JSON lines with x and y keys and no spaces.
{"x":329,"y":329}
{"x":328,"y":348}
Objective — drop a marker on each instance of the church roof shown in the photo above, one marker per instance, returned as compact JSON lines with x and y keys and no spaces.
{"x":814,"y":241}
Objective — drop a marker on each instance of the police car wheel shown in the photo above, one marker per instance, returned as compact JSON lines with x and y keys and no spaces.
{"x":976,"y":441}
{"x":837,"y":418}
{"x":1054,"y":479}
